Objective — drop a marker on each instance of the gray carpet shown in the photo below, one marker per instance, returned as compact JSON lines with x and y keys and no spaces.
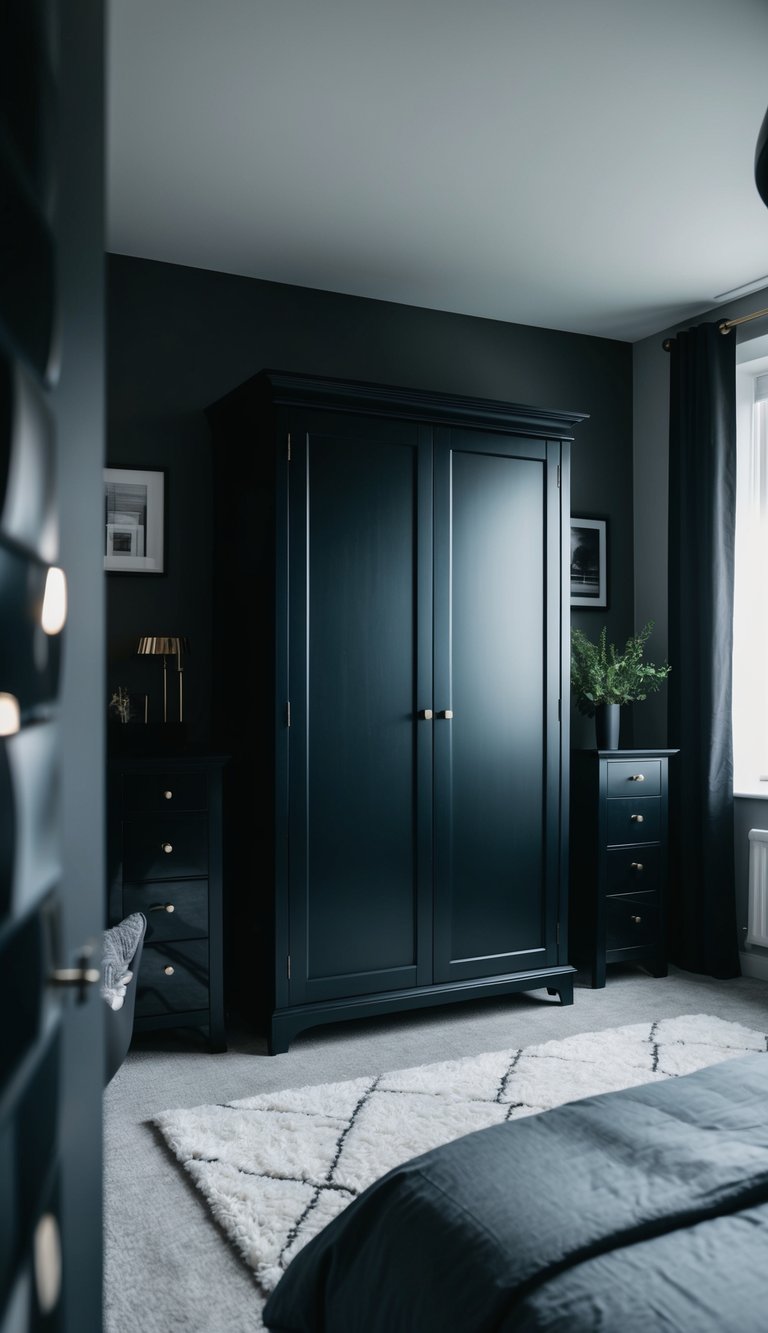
{"x":168,"y":1267}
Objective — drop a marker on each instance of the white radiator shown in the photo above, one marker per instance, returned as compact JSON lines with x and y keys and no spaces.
{"x":757,"y":920}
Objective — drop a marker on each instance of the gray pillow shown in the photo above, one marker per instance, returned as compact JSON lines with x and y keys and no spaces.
{"x":120,"y":945}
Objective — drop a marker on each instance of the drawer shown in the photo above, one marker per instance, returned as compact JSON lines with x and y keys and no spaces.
{"x":178,"y":991}
{"x":633,"y":819}
{"x":174,"y":847}
{"x":630,"y":869}
{"x":188,"y":898}
{"x":157,"y":793}
{"x":638,"y":777}
{"x":631,"y":920}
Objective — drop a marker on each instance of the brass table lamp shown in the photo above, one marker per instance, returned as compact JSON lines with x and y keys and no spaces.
{"x":165,"y":646}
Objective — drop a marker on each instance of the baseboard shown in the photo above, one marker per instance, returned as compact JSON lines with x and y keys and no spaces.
{"x":754,"y":964}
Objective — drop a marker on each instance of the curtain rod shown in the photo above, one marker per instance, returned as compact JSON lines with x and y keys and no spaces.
{"x":726,"y":325}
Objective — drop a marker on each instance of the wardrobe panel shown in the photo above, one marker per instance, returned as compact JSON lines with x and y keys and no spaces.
{"x":354,"y":760}
{"x":490,"y":759}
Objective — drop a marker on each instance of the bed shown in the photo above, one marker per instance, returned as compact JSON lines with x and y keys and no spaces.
{"x":640,"y":1209}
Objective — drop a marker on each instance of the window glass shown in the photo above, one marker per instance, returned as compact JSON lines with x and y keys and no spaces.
{"x":750,"y":615}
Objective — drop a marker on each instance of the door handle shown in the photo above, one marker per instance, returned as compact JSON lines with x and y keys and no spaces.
{"x":79,"y":976}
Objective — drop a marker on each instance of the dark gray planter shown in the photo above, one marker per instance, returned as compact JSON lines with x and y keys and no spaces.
{"x":607,"y":726}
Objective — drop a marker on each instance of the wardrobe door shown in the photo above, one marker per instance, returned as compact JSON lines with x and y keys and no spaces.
{"x":498,"y":578}
{"x":359,"y":674}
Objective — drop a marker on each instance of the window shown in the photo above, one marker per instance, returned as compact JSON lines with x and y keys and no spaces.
{"x":750,"y":613}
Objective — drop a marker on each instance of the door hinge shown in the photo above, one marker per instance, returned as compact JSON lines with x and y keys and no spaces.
{"x":289,"y":448}
{"x":288,"y":713}
{"x":288,"y":966}
{"x":558,"y":934}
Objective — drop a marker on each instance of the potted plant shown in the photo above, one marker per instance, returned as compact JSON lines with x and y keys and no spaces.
{"x":120,"y":704}
{"x":604,"y":679}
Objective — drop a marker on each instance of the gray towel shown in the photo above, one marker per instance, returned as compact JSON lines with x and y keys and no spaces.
{"x":120,"y":945}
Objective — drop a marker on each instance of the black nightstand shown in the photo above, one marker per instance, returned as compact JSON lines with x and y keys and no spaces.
{"x":618,"y":839}
{"x":165,"y":860}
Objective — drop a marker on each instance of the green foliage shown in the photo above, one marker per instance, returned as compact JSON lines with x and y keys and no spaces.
{"x":600,"y":675}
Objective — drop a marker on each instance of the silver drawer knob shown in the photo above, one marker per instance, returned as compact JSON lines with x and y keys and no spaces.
{"x":638,"y":819}
{"x":636,"y":920}
{"x":637,"y":865}
{"x":637,"y":777}
{"x":168,"y":970}
{"x":168,"y":795}
{"x":167,"y":848}
{"x":162,"y":907}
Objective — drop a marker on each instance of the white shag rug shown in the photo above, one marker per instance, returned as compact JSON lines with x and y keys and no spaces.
{"x":276,"y":1168}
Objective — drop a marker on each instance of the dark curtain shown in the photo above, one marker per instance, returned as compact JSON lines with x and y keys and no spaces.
{"x":702,"y":506}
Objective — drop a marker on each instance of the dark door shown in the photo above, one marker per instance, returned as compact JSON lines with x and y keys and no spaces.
{"x":360,"y":676}
{"x":497,"y":671}
{"x":51,"y":839}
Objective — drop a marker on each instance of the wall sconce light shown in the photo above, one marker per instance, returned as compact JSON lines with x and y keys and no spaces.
{"x":10,"y":714}
{"x":54,"y":613}
{"x":170,"y":645}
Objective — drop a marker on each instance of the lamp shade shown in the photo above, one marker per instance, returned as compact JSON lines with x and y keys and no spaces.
{"x":166,"y":645}
{"x":761,"y":161}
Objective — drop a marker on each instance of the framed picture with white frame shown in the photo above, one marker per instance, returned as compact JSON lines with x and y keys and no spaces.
{"x":589,"y":583}
{"x":134,"y":519}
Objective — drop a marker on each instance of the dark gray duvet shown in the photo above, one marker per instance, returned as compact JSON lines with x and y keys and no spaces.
{"x":642,"y":1209}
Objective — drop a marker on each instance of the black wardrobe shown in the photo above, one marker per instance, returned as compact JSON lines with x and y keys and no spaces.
{"x":391,"y":642}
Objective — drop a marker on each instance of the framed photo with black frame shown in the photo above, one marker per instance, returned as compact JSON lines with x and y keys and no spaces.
{"x":134,"y":519}
{"x":589,"y":562}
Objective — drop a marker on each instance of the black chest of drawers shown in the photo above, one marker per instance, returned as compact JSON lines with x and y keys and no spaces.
{"x":165,"y":860}
{"x":618,"y":859}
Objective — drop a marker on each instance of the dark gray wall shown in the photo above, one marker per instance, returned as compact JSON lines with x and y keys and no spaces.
{"x":179,"y":338}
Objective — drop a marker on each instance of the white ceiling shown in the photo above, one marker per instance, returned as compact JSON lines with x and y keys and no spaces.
{"x":576,"y":164}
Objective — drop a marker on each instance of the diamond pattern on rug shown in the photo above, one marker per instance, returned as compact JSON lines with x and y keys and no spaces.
{"x":277,"y":1167}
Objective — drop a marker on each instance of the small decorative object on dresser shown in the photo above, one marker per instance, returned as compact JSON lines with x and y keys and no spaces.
{"x":603,"y":679}
{"x":165,"y":860}
{"x":619,"y":801}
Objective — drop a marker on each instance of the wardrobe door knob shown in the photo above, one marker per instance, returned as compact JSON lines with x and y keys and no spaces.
{"x":426,"y":715}
{"x":446,"y":713}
